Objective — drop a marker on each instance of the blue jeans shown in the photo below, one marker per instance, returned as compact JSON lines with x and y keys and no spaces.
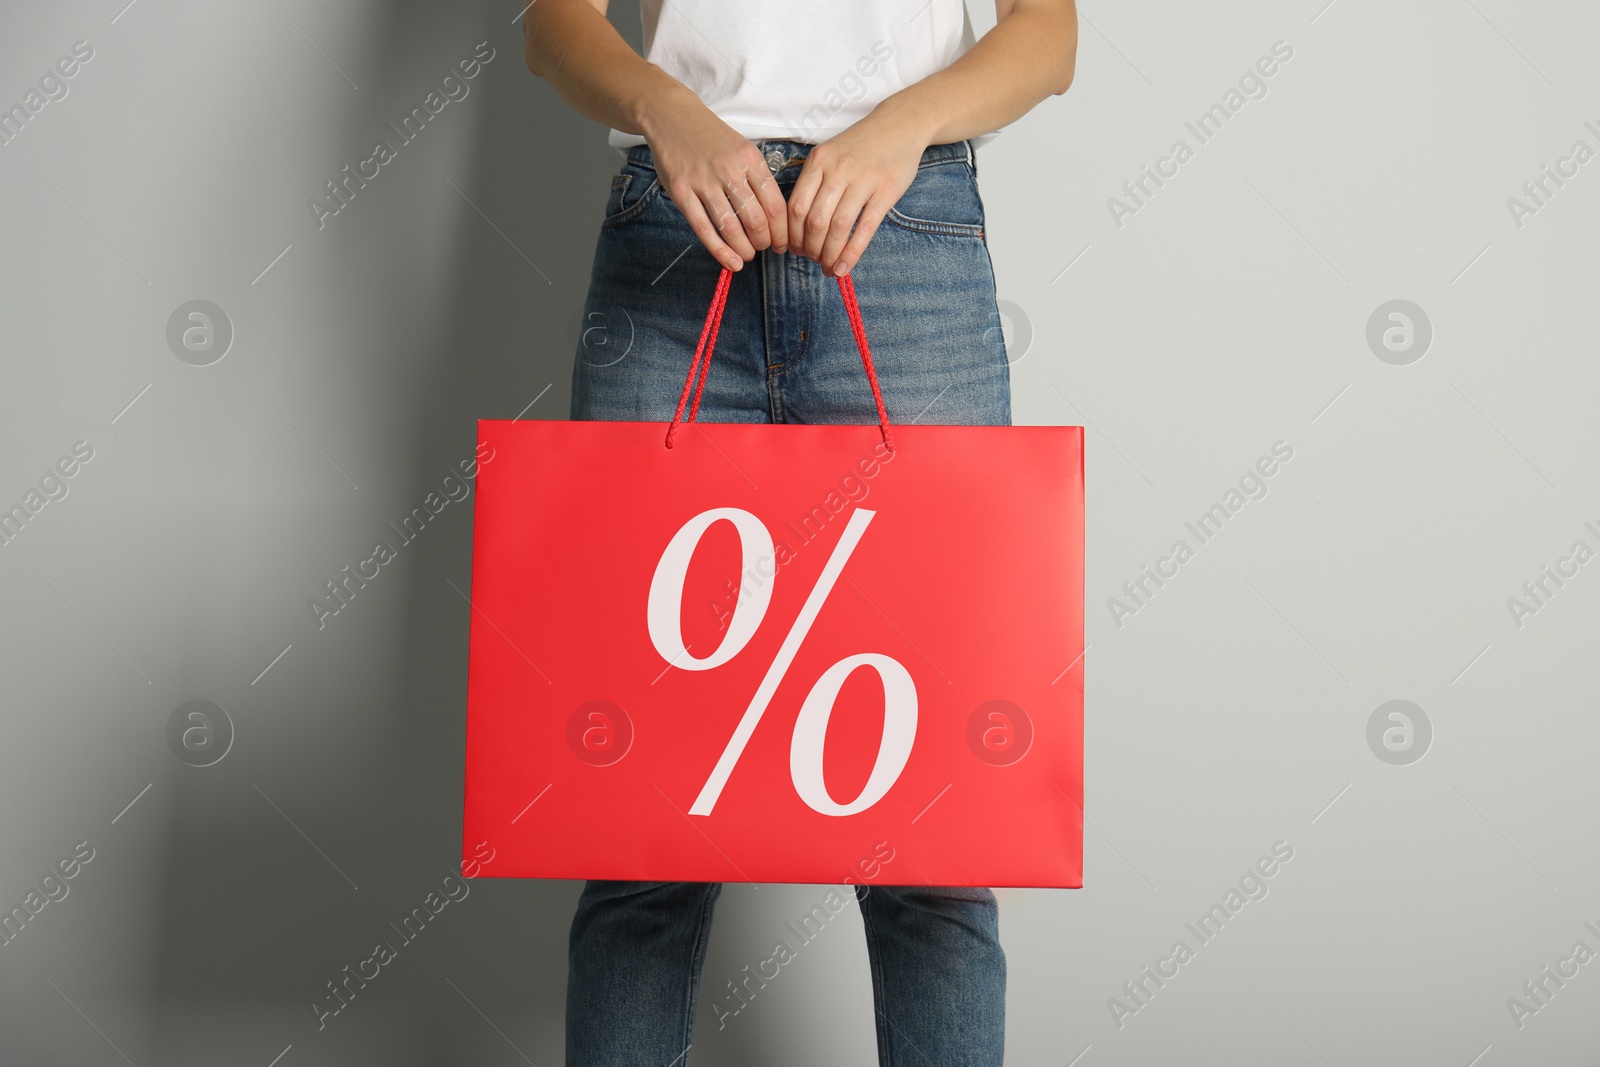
{"x":785,"y":353}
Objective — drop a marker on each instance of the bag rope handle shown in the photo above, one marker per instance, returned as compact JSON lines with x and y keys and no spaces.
{"x":701,"y":365}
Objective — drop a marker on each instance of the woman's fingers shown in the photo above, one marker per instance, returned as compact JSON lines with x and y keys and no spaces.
{"x":866,"y":226}
{"x":735,"y":218}
{"x":774,"y":207}
{"x":827,"y":218}
{"x":729,"y":227}
{"x":820,"y":215}
{"x":752,"y":214}
{"x":800,"y":197}
{"x":700,"y":223}
{"x":847,"y":187}
{"x":851,"y":201}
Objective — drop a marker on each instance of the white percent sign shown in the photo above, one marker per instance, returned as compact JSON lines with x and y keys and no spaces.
{"x":811,"y":727}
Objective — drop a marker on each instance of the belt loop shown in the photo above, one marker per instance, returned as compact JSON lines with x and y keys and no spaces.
{"x":972,"y":160}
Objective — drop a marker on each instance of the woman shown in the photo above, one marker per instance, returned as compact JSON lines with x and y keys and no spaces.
{"x":791,"y":144}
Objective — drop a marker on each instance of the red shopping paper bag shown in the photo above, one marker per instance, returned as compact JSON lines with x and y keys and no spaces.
{"x":777,"y":653}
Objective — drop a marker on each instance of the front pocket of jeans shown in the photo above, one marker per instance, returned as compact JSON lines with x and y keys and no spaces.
{"x":621,"y":207}
{"x":619,"y":189}
{"x":942,"y":199}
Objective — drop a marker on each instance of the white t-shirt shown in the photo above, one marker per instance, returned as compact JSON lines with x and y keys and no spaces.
{"x":778,"y":70}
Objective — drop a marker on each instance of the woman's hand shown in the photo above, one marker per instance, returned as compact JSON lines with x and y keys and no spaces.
{"x":718,"y":179}
{"x":851,"y":179}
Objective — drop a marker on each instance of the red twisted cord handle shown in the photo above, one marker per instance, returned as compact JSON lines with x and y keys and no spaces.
{"x":708,"y":344}
{"x":847,"y":289}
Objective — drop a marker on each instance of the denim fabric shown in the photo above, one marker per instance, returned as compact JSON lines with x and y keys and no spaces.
{"x":785,"y":353}
{"x":638,"y":948}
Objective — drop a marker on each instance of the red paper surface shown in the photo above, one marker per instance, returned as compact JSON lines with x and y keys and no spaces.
{"x":588,"y":749}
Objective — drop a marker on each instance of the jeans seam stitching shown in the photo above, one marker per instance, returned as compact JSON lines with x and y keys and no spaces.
{"x":702,"y":935}
{"x":875,"y":958}
{"x":806,"y":333}
{"x":632,"y":211}
{"x":948,"y":229}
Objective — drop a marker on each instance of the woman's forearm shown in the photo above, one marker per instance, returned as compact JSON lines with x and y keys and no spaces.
{"x":1029,"y":55}
{"x":571,"y":45}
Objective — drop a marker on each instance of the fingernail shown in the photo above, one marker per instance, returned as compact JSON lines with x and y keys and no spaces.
{"x":781,"y":249}
{"x":844,"y":268}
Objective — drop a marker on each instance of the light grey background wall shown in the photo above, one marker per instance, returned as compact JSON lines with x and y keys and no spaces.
{"x":1191,"y":329}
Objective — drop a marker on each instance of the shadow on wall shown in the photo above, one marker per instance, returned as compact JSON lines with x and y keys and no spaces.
{"x":250,"y":936}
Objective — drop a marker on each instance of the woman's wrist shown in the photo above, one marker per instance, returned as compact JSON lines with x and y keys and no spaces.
{"x":908,"y":117}
{"x":664,"y":96}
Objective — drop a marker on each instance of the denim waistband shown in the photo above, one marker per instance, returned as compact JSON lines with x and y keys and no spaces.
{"x":781,"y":154}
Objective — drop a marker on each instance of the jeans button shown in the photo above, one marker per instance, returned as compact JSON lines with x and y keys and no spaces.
{"x":774,"y":160}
